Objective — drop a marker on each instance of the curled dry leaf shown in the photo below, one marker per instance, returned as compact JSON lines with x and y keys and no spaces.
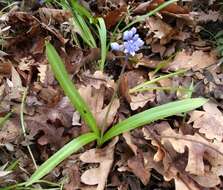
{"x":114,"y":16}
{"x":129,"y":80}
{"x":140,"y":100}
{"x":50,"y":135}
{"x":98,"y":79}
{"x":136,"y":165}
{"x":54,"y":15}
{"x":207,"y":17}
{"x":161,"y":30}
{"x":151,"y":5}
{"x":199,"y":149}
{"x":105,"y":157}
{"x":209,"y":122}
{"x":15,"y":86}
{"x":94,"y":95}
{"x":9,"y":132}
{"x":42,"y":72}
{"x":128,"y":138}
{"x":62,"y":113}
{"x":196,"y":61}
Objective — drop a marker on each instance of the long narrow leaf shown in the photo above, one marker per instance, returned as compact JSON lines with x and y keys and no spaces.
{"x":153,"y":114}
{"x":103,"y":39}
{"x":85,"y":32}
{"x":81,"y":10}
{"x":61,"y":155}
{"x":69,"y":88}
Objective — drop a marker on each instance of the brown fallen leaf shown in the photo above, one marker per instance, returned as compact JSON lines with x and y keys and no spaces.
{"x":54,"y":15}
{"x":199,"y":150}
{"x":209,"y":122}
{"x":136,"y":165}
{"x":207,"y":17}
{"x":94,"y":95}
{"x":141,"y":99}
{"x":50,"y":134}
{"x":151,"y":5}
{"x":15,"y":87}
{"x":42,"y":72}
{"x":128,"y":139}
{"x":105,"y":157}
{"x":114,"y":16}
{"x":95,"y":100}
{"x":5,"y":67}
{"x":129,"y":80}
{"x":195,"y":61}
{"x":61,"y":114}
{"x":161,"y":30}
{"x":9,"y":132}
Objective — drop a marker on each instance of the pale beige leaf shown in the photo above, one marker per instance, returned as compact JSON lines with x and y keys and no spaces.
{"x":209,"y":122}
{"x":208,"y":180}
{"x":196,"y":61}
{"x":140,"y":100}
{"x":42,"y":72}
{"x":197,"y":146}
{"x":105,"y":157}
{"x":128,"y":139}
{"x":95,"y":100}
{"x":158,"y":27}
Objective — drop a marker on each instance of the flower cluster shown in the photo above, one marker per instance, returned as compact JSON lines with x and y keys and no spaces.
{"x":132,"y":42}
{"x":40,"y":2}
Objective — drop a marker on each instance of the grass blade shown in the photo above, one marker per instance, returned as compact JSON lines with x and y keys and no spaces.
{"x":81,"y":10}
{"x":142,"y":85}
{"x":153,"y":114}
{"x":78,"y":17}
{"x":5,"y":118}
{"x":69,"y":88}
{"x":103,"y":39}
{"x":61,"y":155}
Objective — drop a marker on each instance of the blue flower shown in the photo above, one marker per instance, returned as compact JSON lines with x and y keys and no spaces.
{"x":40,"y":1}
{"x":132,"y":42}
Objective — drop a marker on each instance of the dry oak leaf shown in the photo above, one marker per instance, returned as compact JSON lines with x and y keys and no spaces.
{"x":128,"y":138}
{"x":207,"y":17}
{"x":141,"y":99}
{"x":105,"y":157}
{"x":98,"y":79}
{"x":54,"y":15}
{"x":15,"y":85}
{"x":9,"y":132}
{"x":160,"y":29}
{"x":136,"y":164}
{"x":42,"y":72}
{"x":198,"y":148}
{"x":196,"y":61}
{"x":95,"y":100}
{"x":151,"y":5}
{"x":199,"y":151}
{"x":209,"y":122}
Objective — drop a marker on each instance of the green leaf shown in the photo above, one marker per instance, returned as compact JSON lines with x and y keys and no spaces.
{"x":4,"y":119}
{"x":103,"y":39}
{"x":81,"y":10}
{"x":153,"y":114}
{"x":84,"y":30}
{"x":69,"y":88}
{"x":61,"y":155}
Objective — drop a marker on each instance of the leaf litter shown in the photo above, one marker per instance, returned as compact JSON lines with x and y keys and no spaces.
{"x":181,"y":152}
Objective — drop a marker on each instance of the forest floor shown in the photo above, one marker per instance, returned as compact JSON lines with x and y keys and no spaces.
{"x":177,"y":55}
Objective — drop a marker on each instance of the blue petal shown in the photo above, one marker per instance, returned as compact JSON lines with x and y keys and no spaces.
{"x":115,"y":46}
